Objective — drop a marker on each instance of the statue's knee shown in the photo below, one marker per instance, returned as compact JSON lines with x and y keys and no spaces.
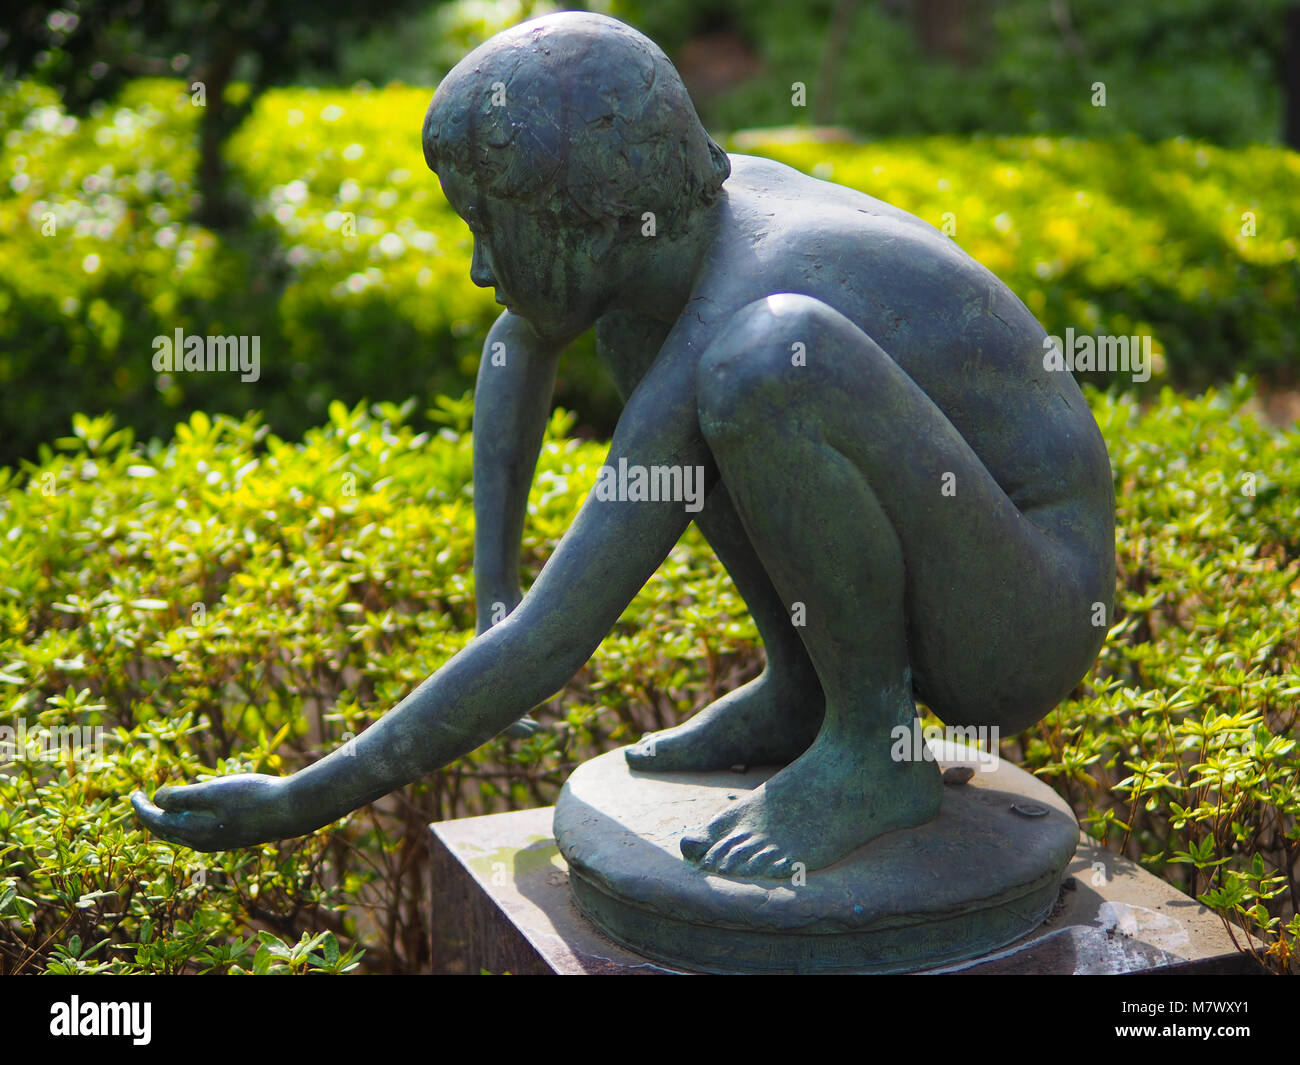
{"x":753,"y":369}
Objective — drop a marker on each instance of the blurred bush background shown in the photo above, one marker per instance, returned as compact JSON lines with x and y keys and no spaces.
{"x":1170,"y":210}
{"x":195,"y":580}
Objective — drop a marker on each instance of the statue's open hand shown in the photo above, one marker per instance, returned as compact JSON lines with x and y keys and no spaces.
{"x":219,"y":815}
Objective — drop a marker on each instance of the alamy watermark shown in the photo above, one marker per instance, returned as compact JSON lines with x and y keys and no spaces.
{"x":56,"y":743}
{"x":1106,"y":354}
{"x":208,"y":354}
{"x":973,"y":745}
{"x":77,"y":1018}
{"x":651,"y":484}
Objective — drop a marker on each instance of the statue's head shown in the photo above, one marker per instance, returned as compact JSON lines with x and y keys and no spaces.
{"x":554,"y":139}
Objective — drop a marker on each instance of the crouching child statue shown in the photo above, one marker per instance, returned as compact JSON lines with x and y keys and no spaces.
{"x":910,"y":504}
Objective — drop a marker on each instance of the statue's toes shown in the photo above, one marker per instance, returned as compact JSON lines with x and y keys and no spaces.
{"x":738,"y":854}
{"x":779,"y":867}
{"x":642,"y":755}
{"x":763,"y":863}
{"x":717,"y":856}
{"x":695,"y":846}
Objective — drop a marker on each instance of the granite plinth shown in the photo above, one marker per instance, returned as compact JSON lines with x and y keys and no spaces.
{"x":502,"y":903}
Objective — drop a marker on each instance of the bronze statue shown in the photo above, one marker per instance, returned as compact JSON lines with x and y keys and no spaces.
{"x":908,"y":501}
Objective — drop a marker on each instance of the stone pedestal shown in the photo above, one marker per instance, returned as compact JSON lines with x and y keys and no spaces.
{"x":502,"y":903}
{"x":982,"y":874}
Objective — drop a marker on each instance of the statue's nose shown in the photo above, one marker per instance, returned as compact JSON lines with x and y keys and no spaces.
{"x":479,"y":270}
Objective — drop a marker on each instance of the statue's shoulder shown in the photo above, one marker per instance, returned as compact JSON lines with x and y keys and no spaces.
{"x":777,"y":198}
{"x":759,"y":179}
{"x":780,"y":230}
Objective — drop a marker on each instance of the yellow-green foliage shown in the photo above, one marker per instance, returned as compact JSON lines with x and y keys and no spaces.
{"x":231,"y":601}
{"x":97,"y":256}
{"x":355,"y":274}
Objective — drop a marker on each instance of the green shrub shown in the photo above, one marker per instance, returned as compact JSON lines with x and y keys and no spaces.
{"x":1180,"y":748}
{"x":1102,"y":237}
{"x":97,"y":258}
{"x":236,"y":602}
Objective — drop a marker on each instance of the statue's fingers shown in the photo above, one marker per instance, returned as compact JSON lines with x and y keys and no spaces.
{"x":144,"y":809}
{"x":158,"y":821}
{"x":182,"y":797}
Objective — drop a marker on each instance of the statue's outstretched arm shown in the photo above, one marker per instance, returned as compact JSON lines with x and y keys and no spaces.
{"x":600,"y":564}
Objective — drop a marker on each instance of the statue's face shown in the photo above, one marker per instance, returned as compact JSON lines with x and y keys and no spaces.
{"x":538,"y":270}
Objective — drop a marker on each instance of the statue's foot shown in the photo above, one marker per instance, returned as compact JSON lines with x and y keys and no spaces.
{"x":764,"y":722}
{"x":817,"y":810}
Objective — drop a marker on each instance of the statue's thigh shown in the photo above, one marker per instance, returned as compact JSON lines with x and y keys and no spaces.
{"x":1000,"y":614}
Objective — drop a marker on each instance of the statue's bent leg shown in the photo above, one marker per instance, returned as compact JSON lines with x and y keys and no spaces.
{"x":772,"y":719}
{"x":837,"y":464}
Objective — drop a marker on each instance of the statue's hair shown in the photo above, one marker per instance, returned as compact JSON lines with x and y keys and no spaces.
{"x":580,"y":115}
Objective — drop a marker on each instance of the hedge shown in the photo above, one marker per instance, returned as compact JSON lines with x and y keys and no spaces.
{"x":354,"y":271}
{"x":231,"y":600}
